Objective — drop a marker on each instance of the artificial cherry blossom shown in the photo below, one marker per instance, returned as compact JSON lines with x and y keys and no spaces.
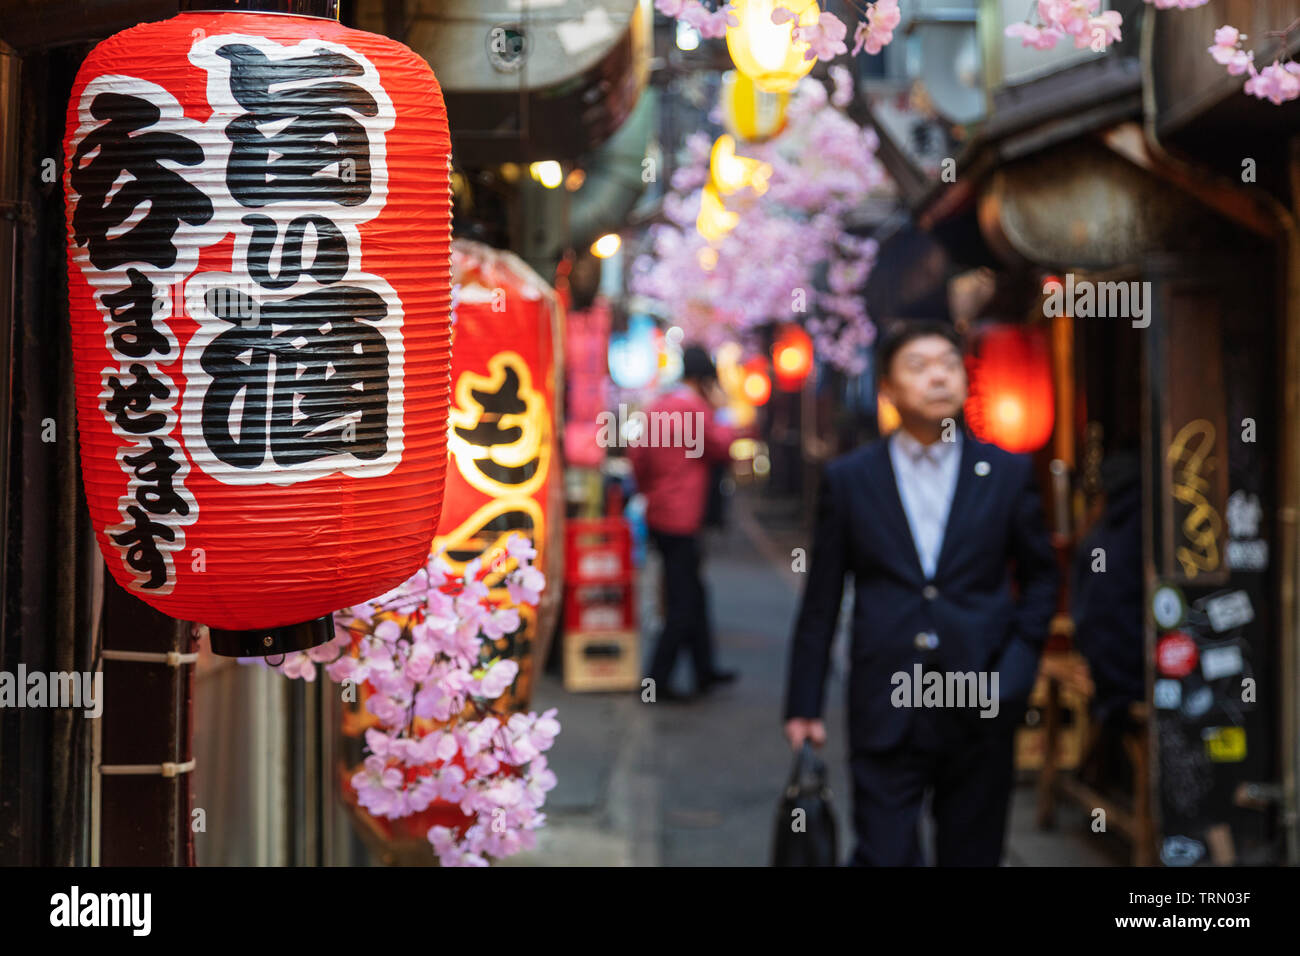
{"x":437,"y":662}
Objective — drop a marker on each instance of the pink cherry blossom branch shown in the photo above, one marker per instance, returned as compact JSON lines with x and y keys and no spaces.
{"x":1278,"y":82}
{"x":420,"y":649}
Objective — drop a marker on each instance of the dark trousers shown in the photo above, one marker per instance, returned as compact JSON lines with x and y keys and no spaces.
{"x":686,"y":609}
{"x":966,"y":762}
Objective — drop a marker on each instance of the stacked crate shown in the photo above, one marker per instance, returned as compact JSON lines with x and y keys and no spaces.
{"x":601,"y":642}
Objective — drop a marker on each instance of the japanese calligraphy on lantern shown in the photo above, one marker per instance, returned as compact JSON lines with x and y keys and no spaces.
{"x":500,"y":434}
{"x":293,"y":373}
{"x":227,"y":177}
{"x":128,"y":211}
{"x":302,"y":375}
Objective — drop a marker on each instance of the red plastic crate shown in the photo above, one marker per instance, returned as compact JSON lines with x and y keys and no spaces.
{"x":601,"y":581}
{"x":598,"y":551}
{"x":600,"y":607}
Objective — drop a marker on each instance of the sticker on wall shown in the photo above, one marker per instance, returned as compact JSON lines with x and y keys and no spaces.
{"x":1181,"y":851}
{"x":1219,"y":662}
{"x":1168,"y":607}
{"x":1225,"y":744}
{"x":1167,"y":694}
{"x":1198,"y":702}
{"x":1176,"y":655}
{"x":1246,"y":551}
{"x":1229,"y":611}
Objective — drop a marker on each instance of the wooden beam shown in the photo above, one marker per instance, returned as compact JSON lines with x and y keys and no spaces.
{"x":1218,"y":193}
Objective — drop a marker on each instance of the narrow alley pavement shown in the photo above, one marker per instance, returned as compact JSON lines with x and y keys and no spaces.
{"x":697,"y":784}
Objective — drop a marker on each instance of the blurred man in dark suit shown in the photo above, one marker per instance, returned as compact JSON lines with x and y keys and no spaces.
{"x":929,"y":522}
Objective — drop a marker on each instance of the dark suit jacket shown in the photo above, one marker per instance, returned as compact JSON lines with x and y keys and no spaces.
{"x":995,"y":520}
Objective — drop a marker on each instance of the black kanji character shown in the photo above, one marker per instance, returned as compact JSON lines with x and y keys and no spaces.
{"x":134,"y":308}
{"x":312,"y":373}
{"x":329,"y":264}
{"x":487,"y":430}
{"x":322,"y":131}
{"x":156,"y":468}
{"x":119,"y":149}
{"x":135,"y":399}
{"x":142,"y":553}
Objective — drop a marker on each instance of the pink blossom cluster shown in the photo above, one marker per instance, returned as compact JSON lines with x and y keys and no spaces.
{"x":825,"y":37}
{"x":1278,"y":82}
{"x":1227,"y":50}
{"x":710,"y":23}
{"x":1080,"y":19}
{"x":877,"y":31}
{"x":436,"y":660}
{"x":788,"y":258}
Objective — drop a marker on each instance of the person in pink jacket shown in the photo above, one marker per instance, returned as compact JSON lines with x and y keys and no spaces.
{"x":673,"y":463}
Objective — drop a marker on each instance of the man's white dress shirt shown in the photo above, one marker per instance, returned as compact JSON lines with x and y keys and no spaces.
{"x":927,"y":478}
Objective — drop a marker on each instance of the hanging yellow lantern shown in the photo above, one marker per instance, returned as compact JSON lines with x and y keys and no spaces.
{"x":731,"y":173}
{"x":714,"y":220}
{"x":767,"y":52}
{"x":749,"y":113}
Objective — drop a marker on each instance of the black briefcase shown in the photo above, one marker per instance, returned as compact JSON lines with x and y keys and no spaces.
{"x":805,"y":824}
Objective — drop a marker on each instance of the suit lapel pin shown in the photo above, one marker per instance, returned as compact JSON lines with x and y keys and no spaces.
{"x":982,"y":468}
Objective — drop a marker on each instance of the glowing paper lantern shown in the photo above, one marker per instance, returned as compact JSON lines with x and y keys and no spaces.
{"x":714,"y":220}
{"x":731,"y":173}
{"x":792,"y":358}
{"x":750,"y":113}
{"x":756,"y":385}
{"x":767,"y":52}
{"x":1012,"y":402}
{"x":258,"y":218}
{"x":731,"y":376}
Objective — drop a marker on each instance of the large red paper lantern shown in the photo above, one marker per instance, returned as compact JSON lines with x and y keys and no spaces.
{"x":259,"y":285}
{"x":1012,"y":402}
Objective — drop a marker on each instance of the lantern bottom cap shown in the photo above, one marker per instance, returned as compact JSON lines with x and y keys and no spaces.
{"x":271,"y":641}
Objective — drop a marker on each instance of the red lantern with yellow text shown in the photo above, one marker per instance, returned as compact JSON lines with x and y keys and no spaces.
{"x":258,"y":215}
{"x":1012,"y":402}
{"x":504,"y":480}
{"x":505,"y":474}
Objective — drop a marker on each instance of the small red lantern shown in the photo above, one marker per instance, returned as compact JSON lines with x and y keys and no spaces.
{"x":1012,"y":402}
{"x":259,"y":215}
{"x":756,"y":385}
{"x":792,"y":358}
